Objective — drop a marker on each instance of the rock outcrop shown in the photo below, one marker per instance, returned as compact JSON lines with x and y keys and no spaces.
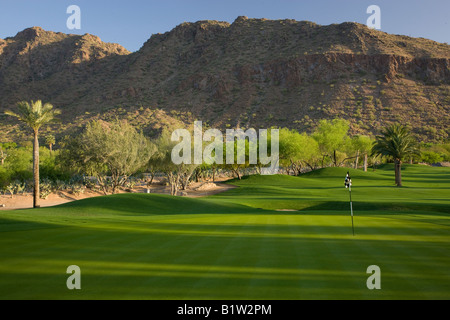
{"x":251,"y":73}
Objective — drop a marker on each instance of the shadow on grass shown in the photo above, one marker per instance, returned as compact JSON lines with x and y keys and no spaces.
{"x":151,"y":204}
{"x":8,"y":225}
{"x":381,"y":207}
{"x":233,"y":266}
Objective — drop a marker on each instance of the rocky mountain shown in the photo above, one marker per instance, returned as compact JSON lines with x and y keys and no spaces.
{"x":251,"y":73}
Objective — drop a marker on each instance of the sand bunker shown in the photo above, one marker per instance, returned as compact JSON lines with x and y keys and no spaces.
{"x":199,"y":189}
{"x":206,"y":186}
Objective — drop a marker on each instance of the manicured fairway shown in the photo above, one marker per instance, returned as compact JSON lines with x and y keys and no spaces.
{"x":236,"y":245}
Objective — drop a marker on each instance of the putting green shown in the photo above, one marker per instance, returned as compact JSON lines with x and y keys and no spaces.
{"x":235,"y":245}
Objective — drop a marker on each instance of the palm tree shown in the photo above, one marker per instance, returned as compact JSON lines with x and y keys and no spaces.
{"x":50,"y":141}
{"x":35,"y":115}
{"x":397,"y":143}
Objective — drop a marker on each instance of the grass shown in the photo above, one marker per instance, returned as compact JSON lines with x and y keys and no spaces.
{"x":235,"y":245}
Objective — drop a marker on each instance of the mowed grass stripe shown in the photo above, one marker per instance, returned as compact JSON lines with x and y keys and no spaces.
{"x":401,"y":252}
{"x":228,"y":263}
{"x":156,"y":282}
{"x":267,"y":253}
{"x":234,"y":246}
{"x":415,"y":258}
{"x":41,"y":267}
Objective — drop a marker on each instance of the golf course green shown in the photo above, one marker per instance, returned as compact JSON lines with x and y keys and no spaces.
{"x":272,"y":237}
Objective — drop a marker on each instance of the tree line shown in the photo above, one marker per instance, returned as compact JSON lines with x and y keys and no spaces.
{"x":112,"y":152}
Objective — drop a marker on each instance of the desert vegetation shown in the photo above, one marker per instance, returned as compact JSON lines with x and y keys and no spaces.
{"x":109,"y":156}
{"x":283,"y":236}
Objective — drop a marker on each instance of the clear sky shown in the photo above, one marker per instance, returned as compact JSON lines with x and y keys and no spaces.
{"x":131,"y":22}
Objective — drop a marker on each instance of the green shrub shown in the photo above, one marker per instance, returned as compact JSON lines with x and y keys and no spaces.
{"x":430,"y":157}
{"x":4,"y":177}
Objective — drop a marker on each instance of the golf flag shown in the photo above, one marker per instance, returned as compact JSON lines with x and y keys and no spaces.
{"x":348,"y":181}
{"x":348,"y":184}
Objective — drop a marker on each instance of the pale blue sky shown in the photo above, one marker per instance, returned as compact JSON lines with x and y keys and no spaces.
{"x":131,"y":22}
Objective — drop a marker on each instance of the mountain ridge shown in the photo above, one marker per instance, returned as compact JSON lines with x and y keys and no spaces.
{"x":250,"y":73}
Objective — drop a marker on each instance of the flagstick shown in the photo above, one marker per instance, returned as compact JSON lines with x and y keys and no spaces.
{"x":351,"y":208}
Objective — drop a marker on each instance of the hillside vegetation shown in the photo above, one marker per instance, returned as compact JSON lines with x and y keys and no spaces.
{"x":251,"y":73}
